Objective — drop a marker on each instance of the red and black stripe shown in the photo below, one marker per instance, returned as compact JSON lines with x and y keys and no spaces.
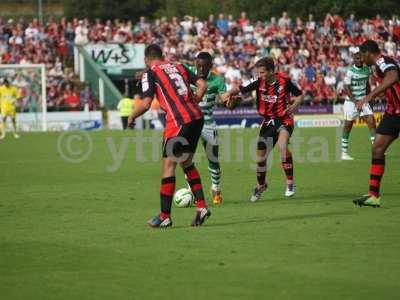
{"x":273,"y":109}
{"x":181,"y":109}
{"x":167,"y":190}
{"x":376,"y":173}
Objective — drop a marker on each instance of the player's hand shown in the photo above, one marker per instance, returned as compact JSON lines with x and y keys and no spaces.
{"x":360,"y":104}
{"x":131,"y":122}
{"x":138,"y":75}
{"x":225,"y":98}
{"x":291,"y":109}
{"x":233,"y":101}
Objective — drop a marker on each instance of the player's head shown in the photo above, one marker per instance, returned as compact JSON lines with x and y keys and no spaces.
{"x":265,"y":68}
{"x":369,"y":52}
{"x":6,"y":82}
{"x":357,"y":60}
{"x":151,"y":53}
{"x":203,"y":64}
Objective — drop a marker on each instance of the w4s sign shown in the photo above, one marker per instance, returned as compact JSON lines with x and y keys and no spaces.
{"x":117,"y":56}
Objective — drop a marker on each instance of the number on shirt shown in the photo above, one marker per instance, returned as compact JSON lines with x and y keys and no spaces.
{"x":180,"y":83}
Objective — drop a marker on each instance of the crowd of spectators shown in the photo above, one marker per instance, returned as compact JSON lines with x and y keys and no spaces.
{"x":51,"y":44}
{"x":314,"y":54}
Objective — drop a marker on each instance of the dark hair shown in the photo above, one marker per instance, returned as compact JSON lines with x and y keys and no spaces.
{"x":370,"y":46}
{"x":266,"y":62}
{"x":153,"y":51}
{"x":205,"y":56}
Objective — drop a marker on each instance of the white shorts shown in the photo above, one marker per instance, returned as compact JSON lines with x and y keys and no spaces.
{"x":209,"y":134}
{"x":351,"y":113}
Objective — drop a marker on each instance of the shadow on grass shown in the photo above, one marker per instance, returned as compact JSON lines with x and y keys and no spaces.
{"x":300,"y":199}
{"x":278,"y":219}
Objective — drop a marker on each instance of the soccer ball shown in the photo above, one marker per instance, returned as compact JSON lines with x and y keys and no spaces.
{"x":183,"y":197}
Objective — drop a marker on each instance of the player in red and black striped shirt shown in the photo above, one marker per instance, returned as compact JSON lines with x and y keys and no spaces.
{"x":276,"y":104}
{"x":170,"y":83}
{"x":388,"y":70}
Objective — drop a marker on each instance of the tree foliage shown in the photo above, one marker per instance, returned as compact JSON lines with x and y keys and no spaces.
{"x":256,"y":9}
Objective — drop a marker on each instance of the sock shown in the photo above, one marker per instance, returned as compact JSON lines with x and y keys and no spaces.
{"x":261,"y":172}
{"x":372,"y":135}
{"x":167,"y":190}
{"x":287,"y":166}
{"x":215,"y":172}
{"x":345,"y":141}
{"x":194,"y":181}
{"x":376,"y":173}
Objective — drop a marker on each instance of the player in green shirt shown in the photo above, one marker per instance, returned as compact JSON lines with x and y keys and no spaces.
{"x":356,"y":88}
{"x":209,"y":135}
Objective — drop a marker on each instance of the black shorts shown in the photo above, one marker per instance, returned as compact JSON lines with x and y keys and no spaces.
{"x":185,"y":141}
{"x":269,"y":132}
{"x":390,"y":125}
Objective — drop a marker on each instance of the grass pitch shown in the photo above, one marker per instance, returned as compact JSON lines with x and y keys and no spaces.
{"x":75,"y":227}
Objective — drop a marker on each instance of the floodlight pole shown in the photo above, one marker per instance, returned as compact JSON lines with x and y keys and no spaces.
{"x":40,"y":11}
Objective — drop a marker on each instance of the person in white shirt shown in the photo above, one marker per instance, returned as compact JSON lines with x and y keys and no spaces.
{"x":390,"y":47}
{"x":81,"y":34}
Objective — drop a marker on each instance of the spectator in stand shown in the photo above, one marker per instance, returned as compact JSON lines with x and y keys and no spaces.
{"x":86,"y":98}
{"x":222,"y":24}
{"x":81,"y":34}
{"x":236,"y":44}
{"x":72,"y":100}
{"x":284,"y":21}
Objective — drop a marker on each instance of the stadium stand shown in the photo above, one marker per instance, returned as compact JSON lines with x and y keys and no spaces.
{"x":314,"y":54}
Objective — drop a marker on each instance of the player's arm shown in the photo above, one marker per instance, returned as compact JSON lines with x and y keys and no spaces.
{"x":347,"y":83}
{"x":140,"y":108}
{"x":229,"y":97}
{"x":391,"y":76}
{"x":148,"y":91}
{"x":201,"y":84}
{"x":221,"y":88}
{"x":348,"y":92}
{"x":202,"y":87}
{"x":297,"y":98}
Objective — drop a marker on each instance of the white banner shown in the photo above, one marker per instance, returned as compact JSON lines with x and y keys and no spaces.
{"x":60,"y":121}
{"x":117,"y":57}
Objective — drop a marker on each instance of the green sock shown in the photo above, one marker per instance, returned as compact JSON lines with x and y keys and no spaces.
{"x":215,"y":172}
{"x":345,"y":141}
{"x":372,"y":135}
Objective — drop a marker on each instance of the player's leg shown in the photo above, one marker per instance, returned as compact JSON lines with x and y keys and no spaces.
{"x":167,"y":189}
{"x":387,"y":132}
{"x":370,"y":120}
{"x":3,"y":126}
{"x":348,"y":125}
{"x":286,"y":160}
{"x":265,"y":144}
{"x":350,"y":114}
{"x":124,"y":121}
{"x":194,"y":180}
{"x":191,"y":134}
{"x":210,"y":144}
{"x":14,"y":124}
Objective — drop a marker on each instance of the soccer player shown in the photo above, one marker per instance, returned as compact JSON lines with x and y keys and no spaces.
{"x":388,"y":130}
{"x":356,"y":88}
{"x":8,"y":96}
{"x":209,"y":134}
{"x":170,"y":82}
{"x":275,"y":105}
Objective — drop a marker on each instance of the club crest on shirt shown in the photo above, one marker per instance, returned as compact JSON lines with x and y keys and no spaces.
{"x":269,"y":98}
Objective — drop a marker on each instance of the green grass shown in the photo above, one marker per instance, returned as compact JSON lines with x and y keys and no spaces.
{"x":78,"y":231}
